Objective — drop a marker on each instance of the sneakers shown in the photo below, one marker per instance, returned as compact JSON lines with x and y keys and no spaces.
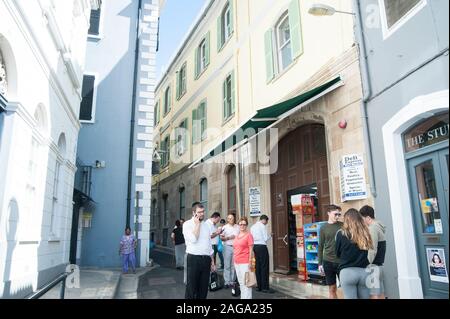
{"x":268,"y":291}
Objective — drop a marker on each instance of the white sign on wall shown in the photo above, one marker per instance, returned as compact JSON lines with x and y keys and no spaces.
{"x":255,"y":201}
{"x":353,"y":180}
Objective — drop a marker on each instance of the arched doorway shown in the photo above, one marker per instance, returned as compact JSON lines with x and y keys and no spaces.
{"x":302,"y":167}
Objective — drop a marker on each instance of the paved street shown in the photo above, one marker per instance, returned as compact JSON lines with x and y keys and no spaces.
{"x":165,"y":282}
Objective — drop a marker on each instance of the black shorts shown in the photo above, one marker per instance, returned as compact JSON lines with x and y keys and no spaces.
{"x":331,"y":271}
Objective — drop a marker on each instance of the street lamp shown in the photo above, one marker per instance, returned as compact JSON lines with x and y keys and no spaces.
{"x":319,"y":9}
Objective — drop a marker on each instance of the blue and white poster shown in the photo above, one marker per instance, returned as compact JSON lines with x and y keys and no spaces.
{"x":353,"y":178}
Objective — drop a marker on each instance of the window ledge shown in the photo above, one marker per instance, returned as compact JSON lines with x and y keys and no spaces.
{"x":226,"y":42}
{"x":95,"y":38}
{"x":53,"y":239}
{"x":181,"y":95}
{"x":201,"y":73}
{"x":228,"y":119}
{"x":279,"y":75}
{"x":87,"y":122}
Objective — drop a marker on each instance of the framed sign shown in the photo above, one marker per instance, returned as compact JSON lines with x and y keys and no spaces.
{"x":254,"y":195}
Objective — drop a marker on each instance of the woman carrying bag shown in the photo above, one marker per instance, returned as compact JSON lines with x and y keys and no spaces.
{"x":243,"y":250}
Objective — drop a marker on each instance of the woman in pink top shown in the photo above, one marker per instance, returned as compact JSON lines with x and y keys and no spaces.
{"x":243,"y":249}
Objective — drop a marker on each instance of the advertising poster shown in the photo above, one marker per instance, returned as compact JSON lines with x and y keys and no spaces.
{"x":352,"y":175}
{"x":255,"y":201}
{"x":437,"y":265}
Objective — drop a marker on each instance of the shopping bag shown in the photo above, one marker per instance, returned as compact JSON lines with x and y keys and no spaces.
{"x":250,"y":279}
{"x":214,"y":282}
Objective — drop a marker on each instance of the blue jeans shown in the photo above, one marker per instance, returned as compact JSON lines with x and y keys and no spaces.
{"x":128,"y":258}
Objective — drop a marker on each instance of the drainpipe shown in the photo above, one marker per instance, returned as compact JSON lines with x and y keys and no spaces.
{"x":133,"y":115}
{"x":367,"y":93}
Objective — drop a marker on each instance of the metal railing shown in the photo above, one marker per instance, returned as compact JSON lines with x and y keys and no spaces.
{"x":61,"y":278}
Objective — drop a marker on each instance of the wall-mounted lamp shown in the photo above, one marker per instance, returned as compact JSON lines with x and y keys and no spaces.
{"x":319,"y":9}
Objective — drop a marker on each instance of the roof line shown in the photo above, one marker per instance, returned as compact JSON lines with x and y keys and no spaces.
{"x":189,"y":34}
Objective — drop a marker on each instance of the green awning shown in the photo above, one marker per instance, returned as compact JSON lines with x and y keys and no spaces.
{"x":266,"y":117}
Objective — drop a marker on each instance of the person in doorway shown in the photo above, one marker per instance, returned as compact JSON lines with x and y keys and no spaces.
{"x":127,"y":248}
{"x":179,"y":244}
{"x":376,"y":255}
{"x":260,"y":237}
{"x":215,"y":231}
{"x":243,"y":247}
{"x":229,"y":233}
{"x":200,"y":262}
{"x":328,"y":261}
{"x":353,"y":243}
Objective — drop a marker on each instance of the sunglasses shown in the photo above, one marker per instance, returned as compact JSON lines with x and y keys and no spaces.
{"x":242,"y":224}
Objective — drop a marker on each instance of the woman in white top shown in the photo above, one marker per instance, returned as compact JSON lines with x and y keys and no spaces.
{"x":230,"y":231}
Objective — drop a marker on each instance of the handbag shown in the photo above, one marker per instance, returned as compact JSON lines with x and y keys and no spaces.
{"x":235,"y":290}
{"x":250,"y":279}
{"x":214,"y":282}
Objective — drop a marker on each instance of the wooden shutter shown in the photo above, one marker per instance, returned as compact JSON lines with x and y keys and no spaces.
{"x":219,"y":33}
{"x":197,"y":62}
{"x":207,"y":49}
{"x":87,"y":101}
{"x":268,"y":48}
{"x":231,"y":2}
{"x":178,"y":89}
{"x":224,"y":89}
{"x":194,"y":126}
{"x":295,"y":28}
{"x":94,"y":22}
{"x":233,"y":93}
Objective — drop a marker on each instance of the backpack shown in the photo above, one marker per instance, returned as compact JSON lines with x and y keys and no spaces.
{"x":214,"y":282}
{"x":236,"y":290}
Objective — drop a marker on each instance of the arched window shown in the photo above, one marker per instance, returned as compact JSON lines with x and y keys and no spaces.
{"x":231,"y":184}
{"x":56,"y":204}
{"x":204,"y":193}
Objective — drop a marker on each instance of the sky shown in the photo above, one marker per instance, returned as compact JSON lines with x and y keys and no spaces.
{"x":175,"y":21}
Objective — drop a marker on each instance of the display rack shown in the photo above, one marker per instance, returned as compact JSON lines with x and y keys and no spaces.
{"x":312,"y":233}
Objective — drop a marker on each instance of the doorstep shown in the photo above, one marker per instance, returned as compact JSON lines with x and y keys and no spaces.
{"x":293,"y":286}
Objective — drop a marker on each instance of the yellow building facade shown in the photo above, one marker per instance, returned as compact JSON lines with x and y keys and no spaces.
{"x":259,"y":64}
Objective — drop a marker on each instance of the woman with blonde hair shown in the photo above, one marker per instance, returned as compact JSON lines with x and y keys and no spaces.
{"x":353,"y":242}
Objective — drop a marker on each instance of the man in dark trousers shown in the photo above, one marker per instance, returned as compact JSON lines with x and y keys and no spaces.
{"x":260,"y":238}
{"x":328,"y":261}
{"x":200,"y":262}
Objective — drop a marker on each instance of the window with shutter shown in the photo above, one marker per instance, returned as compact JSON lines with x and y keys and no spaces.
{"x":94,"y":22}
{"x":87,"y":102}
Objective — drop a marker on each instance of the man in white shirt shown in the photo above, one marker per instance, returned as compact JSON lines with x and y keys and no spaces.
{"x":200,"y":263}
{"x":215,"y":231}
{"x":229,"y":233}
{"x":260,"y":237}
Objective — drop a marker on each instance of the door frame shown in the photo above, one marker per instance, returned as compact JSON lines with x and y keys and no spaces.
{"x":433,"y":153}
{"x":409,"y":281}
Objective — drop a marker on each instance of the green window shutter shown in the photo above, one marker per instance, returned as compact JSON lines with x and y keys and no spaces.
{"x":208,"y":36}
{"x":168,"y":150}
{"x":178,"y":89}
{"x":197,"y":64}
{"x":224,"y":89}
{"x":295,"y":28}
{"x":268,"y":47}
{"x":219,"y":33}
{"x":204,"y":120}
{"x":194,"y":126}
{"x":233,"y":93}
{"x":231,"y":2}
{"x":184,"y":134}
{"x":169,"y":100}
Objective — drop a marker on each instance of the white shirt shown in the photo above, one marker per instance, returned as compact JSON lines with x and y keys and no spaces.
{"x":201,"y":246}
{"x":229,"y":231}
{"x":215,"y":240}
{"x":259,"y":233}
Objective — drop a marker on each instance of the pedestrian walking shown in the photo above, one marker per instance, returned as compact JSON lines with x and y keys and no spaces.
{"x":179,"y":244}
{"x":229,"y":233}
{"x":328,"y":261}
{"x":128,"y":244}
{"x":376,"y":255}
{"x":260,"y":237}
{"x":353,"y":242}
{"x":220,"y":246}
{"x":200,"y":263}
{"x":243,"y":248}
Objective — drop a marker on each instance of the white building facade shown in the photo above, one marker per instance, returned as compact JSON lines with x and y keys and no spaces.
{"x":42,"y":52}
